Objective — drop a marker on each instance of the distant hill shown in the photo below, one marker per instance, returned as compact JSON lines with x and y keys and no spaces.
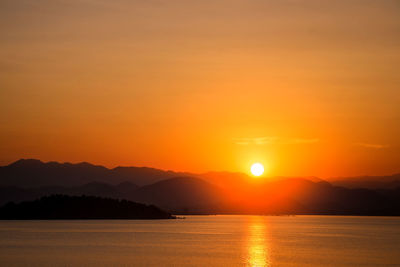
{"x":324,"y":198}
{"x":370,"y":182}
{"x":83,"y":207}
{"x":35,"y":173}
{"x":143,"y":175}
{"x":182,"y":194}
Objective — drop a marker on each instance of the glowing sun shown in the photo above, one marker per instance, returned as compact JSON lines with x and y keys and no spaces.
{"x":257,"y":169}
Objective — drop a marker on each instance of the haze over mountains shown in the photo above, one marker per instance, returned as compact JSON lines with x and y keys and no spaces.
{"x":214,"y":192}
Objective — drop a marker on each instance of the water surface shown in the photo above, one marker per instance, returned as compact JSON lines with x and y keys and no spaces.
{"x":204,"y":241}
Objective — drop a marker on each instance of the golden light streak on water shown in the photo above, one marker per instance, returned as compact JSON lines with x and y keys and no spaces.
{"x":257,"y":243}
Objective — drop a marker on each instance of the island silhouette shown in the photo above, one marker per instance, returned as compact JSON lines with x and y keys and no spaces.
{"x":62,"y":207}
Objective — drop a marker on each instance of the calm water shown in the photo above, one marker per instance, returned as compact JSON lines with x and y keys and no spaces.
{"x":204,"y":241}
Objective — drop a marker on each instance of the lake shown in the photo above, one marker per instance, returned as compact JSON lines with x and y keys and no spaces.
{"x":204,"y":241}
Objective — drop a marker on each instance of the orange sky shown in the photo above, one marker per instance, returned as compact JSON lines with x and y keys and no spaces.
{"x":305,"y":87}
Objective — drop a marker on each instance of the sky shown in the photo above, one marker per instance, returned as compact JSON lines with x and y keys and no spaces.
{"x":307,"y":88}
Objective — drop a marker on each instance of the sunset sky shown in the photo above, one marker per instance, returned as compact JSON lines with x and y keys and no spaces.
{"x":304,"y":87}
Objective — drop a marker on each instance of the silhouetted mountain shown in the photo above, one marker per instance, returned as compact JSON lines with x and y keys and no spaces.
{"x":324,"y":198}
{"x":126,"y":190}
{"x":35,"y":173}
{"x":182,"y":194}
{"x":143,"y":175}
{"x":83,"y":207}
{"x":370,"y":182}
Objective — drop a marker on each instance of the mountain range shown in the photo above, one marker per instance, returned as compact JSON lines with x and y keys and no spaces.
{"x":209,"y":193}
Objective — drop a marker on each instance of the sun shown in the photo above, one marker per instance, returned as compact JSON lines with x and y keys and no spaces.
{"x":257,"y":169}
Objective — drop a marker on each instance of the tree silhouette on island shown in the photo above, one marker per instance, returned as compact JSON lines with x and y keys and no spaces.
{"x":62,"y":207}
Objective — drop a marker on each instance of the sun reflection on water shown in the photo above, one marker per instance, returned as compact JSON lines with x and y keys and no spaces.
{"x":257,"y":248}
